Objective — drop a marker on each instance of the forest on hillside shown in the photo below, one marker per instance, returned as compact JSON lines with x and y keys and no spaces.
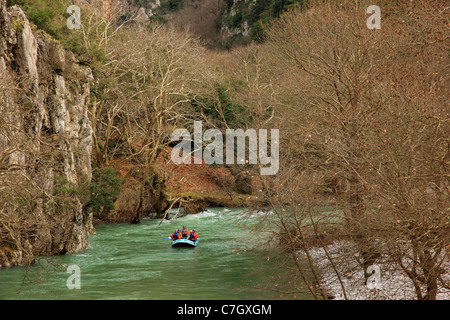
{"x":362,"y":116}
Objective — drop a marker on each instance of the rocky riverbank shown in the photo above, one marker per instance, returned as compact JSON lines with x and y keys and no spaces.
{"x":392,"y":284}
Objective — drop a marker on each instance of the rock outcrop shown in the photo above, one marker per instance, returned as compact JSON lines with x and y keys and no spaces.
{"x":109,"y":9}
{"x":45,"y":143}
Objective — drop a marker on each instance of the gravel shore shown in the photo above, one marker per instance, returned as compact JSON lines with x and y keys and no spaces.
{"x":387,"y":283}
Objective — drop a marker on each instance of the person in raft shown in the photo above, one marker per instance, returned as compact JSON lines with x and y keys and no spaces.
{"x":184,"y":232}
{"x":176,"y":235}
{"x":193,"y":235}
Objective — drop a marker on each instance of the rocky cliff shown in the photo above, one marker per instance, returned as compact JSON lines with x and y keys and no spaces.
{"x":45,"y":143}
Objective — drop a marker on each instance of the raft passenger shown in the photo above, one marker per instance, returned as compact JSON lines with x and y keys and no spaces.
{"x":184,"y":232}
{"x":193,"y":235}
{"x":175,"y":235}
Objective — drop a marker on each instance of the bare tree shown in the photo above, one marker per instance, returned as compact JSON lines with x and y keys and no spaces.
{"x":409,"y":166}
{"x":154,"y":75}
{"x":355,"y":126}
{"x":200,"y":17}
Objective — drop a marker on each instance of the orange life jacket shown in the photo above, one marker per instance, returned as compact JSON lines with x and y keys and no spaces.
{"x":193,"y":236}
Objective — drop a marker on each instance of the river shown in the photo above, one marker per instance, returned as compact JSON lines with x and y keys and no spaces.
{"x":128,"y":261}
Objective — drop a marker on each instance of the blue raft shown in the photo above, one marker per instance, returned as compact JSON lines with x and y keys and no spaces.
{"x":184,"y":243}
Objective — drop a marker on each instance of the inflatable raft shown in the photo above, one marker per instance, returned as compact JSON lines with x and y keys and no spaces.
{"x":184,"y":243}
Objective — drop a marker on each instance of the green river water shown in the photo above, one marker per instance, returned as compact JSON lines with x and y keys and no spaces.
{"x":134,"y":262}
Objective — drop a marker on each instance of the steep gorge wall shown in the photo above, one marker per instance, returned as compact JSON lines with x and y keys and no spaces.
{"x":45,"y":143}
{"x":106,"y":8}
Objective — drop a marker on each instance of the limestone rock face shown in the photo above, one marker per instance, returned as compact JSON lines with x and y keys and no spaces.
{"x":45,"y":143}
{"x":106,"y":8}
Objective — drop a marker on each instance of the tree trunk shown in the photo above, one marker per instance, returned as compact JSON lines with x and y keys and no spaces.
{"x":367,"y":250}
{"x":431,"y":276}
{"x":138,"y":213}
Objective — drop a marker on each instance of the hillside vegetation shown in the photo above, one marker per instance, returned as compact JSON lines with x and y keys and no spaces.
{"x":362,"y":116}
